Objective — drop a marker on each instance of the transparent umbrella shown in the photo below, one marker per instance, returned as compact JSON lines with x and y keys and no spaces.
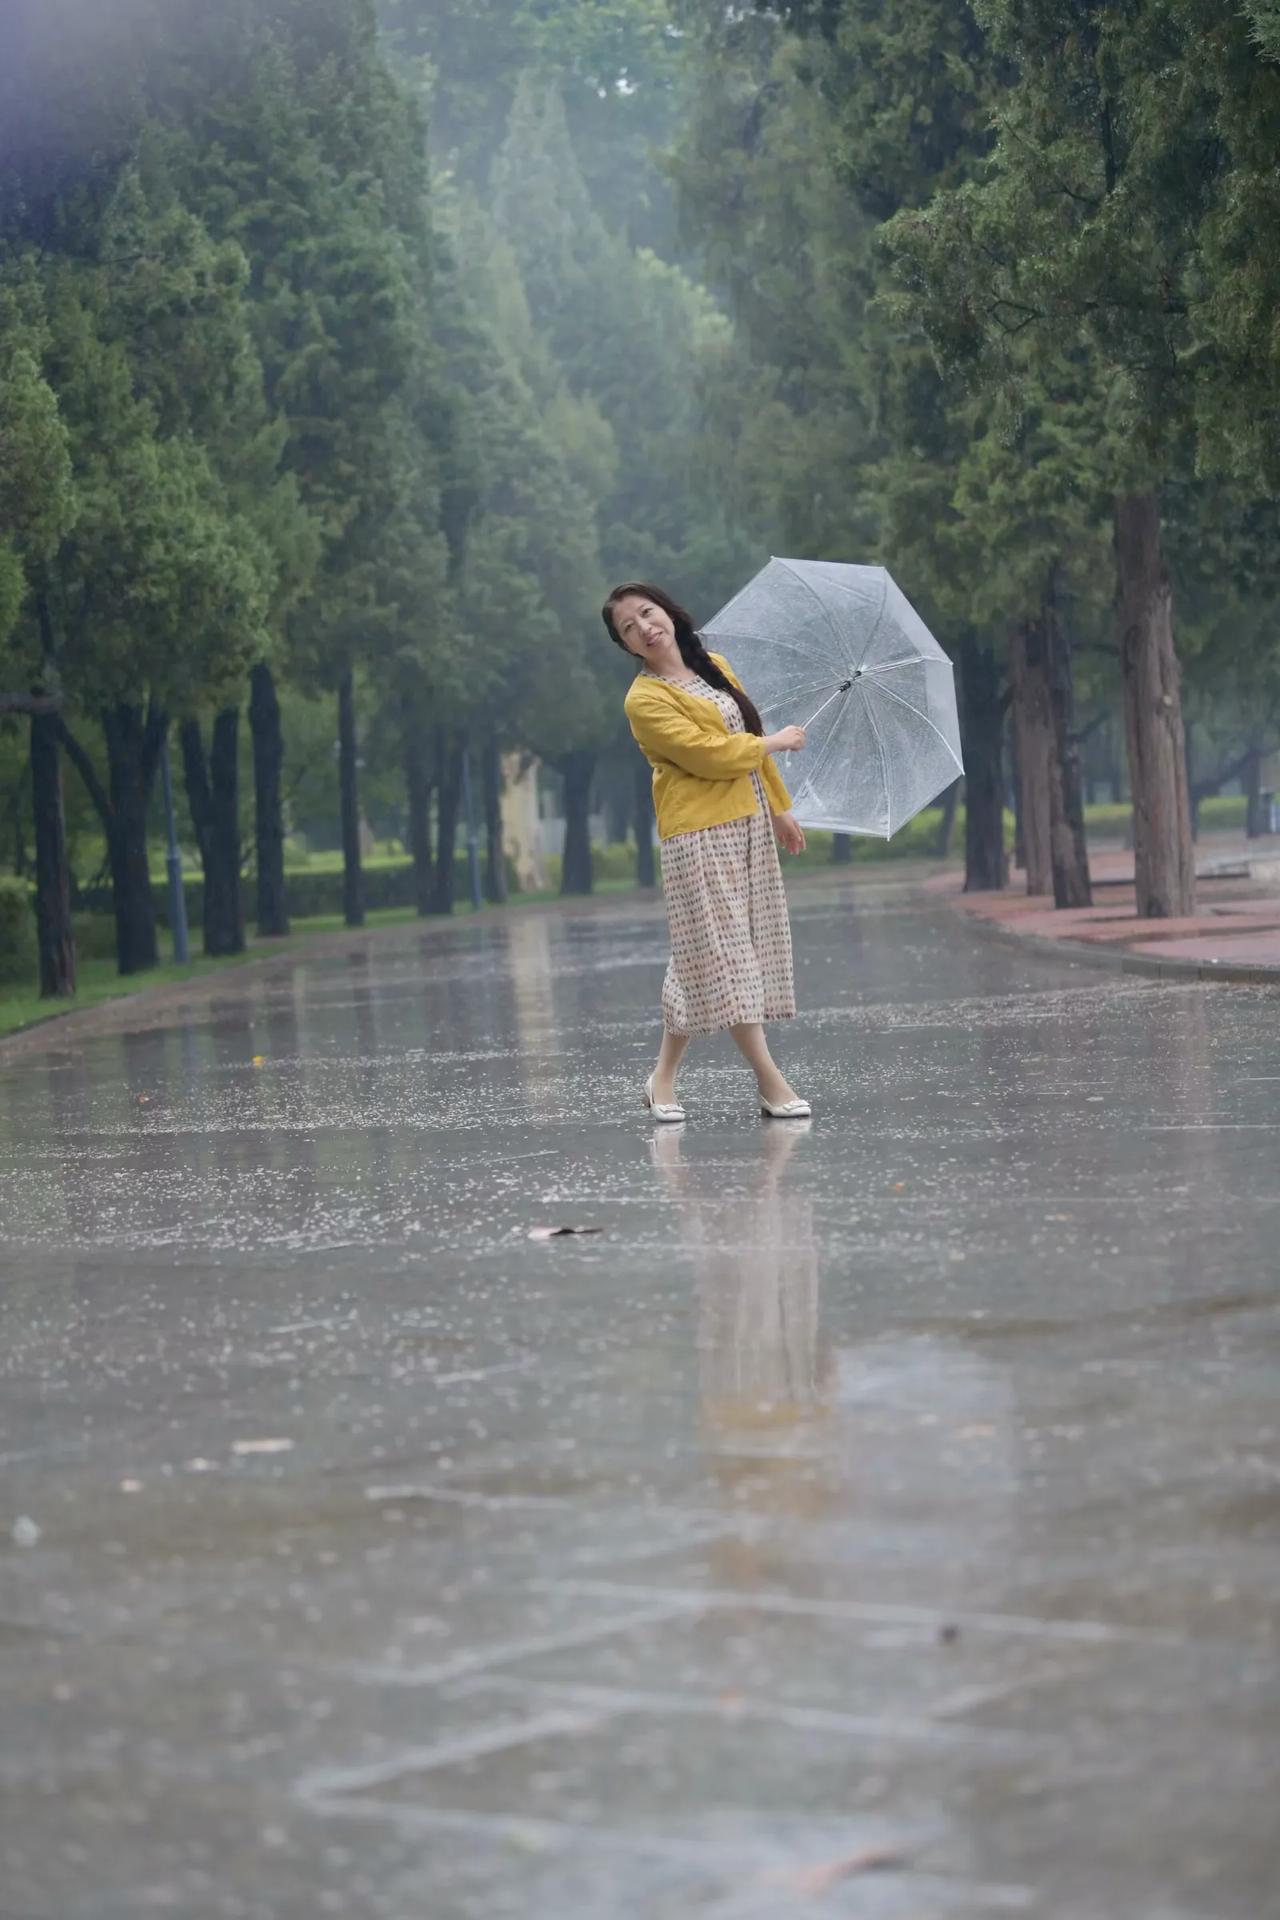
{"x":841,"y":651}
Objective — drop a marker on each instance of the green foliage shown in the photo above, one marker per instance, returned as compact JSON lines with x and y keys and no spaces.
{"x":1264,"y":20}
{"x":160,"y":587}
{"x":1128,"y":207}
{"x":37,"y":498}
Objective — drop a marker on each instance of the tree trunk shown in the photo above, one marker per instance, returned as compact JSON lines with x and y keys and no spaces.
{"x":1194,"y":793}
{"x":642,"y":818}
{"x":577,"y":770}
{"x":1164,"y":859}
{"x":132,"y":747}
{"x":616,"y":812}
{"x":1033,"y":732}
{"x":495,"y":852}
{"x":53,"y":877}
{"x":1115,"y":769}
{"x":213,"y":796}
{"x":417,"y":781}
{"x":841,"y":849}
{"x":349,"y":801}
{"x":1069,"y":854}
{"x":986,"y":868}
{"x":268,"y":778}
{"x":449,"y":789}
{"x":1014,"y":795}
{"x":224,"y":772}
{"x":1255,"y":820}
{"x":947,"y":824}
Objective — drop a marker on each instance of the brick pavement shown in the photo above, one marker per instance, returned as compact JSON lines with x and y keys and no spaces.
{"x":1236,"y":926}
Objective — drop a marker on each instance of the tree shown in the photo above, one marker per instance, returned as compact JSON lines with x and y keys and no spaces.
{"x":37,"y":508}
{"x":159,"y":590}
{"x":1119,"y":169}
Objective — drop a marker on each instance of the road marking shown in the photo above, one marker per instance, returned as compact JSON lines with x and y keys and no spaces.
{"x":922,"y":1729}
{"x":1029,"y":1626}
{"x":502,"y":1651}
{"x":326,"y":1782}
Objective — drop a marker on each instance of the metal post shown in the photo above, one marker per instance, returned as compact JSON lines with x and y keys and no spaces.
{"x":473,"y":842}
{"x":173,"y":864}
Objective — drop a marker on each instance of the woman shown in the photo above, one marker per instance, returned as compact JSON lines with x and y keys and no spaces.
{"x":720,"y":804}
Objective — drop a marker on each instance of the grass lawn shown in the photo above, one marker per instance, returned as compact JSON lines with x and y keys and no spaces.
{"x":97,"y":980}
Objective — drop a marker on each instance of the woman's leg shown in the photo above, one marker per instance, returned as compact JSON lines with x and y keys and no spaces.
{"x":670,"y":1054}
{"x":751,"y":1043}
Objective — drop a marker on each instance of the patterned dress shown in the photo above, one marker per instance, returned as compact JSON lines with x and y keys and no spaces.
{"x":727,"y":911}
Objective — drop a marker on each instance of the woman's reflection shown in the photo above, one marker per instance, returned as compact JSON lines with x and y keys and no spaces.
{"x":872,"y":1449}
{"x":765,"y":1373}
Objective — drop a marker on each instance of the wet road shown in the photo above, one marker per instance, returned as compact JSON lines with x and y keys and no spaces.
{"x":880,"y":1518}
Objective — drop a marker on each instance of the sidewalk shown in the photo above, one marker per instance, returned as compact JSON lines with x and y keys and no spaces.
{"x":1234,"y":935}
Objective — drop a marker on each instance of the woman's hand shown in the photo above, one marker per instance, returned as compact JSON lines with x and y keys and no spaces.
{"x":787,"y":830}
{"x":789,"y":740}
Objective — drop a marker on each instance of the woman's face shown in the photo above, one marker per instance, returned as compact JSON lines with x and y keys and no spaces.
{"x":643,"y":628}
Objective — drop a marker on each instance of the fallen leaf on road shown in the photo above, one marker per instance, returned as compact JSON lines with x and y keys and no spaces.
{"x":558,"y":1233}
{"x":821,"y":1879}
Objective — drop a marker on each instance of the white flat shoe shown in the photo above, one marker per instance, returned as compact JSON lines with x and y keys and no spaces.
{"x":789,"y":1110}
{"x":658,"y":1108}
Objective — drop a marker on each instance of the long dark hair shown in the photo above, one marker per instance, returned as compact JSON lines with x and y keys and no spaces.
{"x":689,"y":641}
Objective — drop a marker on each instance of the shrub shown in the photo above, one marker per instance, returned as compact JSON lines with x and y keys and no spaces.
{"x":18,"y":958}
{"x":311,"y":891}
{"x":1223,"y":810}
{"x":387,"y":883}
{"x":95,"y":935}
{"x":1220,"y":813}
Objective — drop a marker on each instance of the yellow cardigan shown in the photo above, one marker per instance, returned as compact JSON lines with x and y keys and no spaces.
{"x":701,"y":771}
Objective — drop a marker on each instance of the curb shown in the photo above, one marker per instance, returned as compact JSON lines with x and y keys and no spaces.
{"x":1109,"y":960}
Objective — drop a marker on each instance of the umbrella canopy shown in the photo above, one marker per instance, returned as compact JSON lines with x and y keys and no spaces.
{"x":841,"y":650}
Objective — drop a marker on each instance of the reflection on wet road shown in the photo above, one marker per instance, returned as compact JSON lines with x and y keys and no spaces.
{"x":880,"y":1517}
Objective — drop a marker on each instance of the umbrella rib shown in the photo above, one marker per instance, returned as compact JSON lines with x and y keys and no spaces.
{"x":884,"y":769}
{"x":906,"y":660}
{"x":826,"y":611}
{"x":758,"y":639}
{"x":884,"y":601}
{"x":825,"y":752}
{"x":903,"y":702}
